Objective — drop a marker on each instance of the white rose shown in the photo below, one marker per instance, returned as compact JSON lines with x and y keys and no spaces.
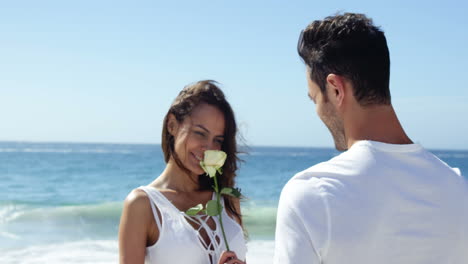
{"x":213,"y":161}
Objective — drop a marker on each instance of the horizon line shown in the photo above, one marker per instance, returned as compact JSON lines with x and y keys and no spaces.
{"x":158,"y":143}
{"x":144,"y":143}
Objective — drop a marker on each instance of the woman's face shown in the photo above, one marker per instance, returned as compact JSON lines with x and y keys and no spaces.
{"x":202,"y":130}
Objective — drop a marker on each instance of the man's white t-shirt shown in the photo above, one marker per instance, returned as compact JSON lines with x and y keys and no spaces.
{"x":375,"y":203}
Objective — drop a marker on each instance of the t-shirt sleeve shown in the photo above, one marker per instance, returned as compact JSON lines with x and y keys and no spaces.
{"x":302,"y":225}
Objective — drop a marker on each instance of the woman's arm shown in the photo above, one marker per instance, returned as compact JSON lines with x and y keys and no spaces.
{"x":135,"y":223}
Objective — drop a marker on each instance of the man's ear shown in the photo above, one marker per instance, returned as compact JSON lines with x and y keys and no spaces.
{"x":172,"y":125}
{"x":336,"y":89}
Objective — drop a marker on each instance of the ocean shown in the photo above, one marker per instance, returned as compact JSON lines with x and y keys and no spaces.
{"x":61,"y":202}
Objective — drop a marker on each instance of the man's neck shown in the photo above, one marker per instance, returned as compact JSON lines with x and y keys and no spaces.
{"x":376,"y":123}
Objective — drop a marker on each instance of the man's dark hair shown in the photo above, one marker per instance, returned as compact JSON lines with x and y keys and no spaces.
{"x":351,"y":46}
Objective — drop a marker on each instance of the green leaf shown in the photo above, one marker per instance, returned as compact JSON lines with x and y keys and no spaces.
{"x":234,"y":192}
{"x":194,"y":210}
{"x":226,"y":190}
{"x":213,"y":208}
{"x":220,"y":170}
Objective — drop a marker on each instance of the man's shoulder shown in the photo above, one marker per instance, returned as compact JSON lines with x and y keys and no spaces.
{"x":312,"y":176}
{"x":305,"y":196}
{"x":317,"y":181}
{"x":320,"y":173}
{"x":313,"y":181}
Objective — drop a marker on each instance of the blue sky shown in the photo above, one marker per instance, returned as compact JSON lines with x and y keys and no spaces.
{"x":107,"y":71}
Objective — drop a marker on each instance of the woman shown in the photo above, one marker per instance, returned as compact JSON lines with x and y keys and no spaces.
{"x":154,"y":227}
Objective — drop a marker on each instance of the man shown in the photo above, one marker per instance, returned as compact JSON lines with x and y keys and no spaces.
{"x":384,"y":200}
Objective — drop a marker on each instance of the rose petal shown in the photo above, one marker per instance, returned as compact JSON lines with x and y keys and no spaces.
{"x":215,"y":158}
{"x":211,"y":171}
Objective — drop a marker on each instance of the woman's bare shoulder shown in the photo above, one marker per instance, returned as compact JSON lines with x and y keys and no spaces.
{"x":137,"y":201}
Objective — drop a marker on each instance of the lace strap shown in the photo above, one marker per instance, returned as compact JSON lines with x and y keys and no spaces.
{"x":213,"y":248}
{"x":153,"y":202}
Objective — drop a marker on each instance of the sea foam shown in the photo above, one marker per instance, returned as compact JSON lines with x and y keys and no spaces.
{"x":106,"y":252}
